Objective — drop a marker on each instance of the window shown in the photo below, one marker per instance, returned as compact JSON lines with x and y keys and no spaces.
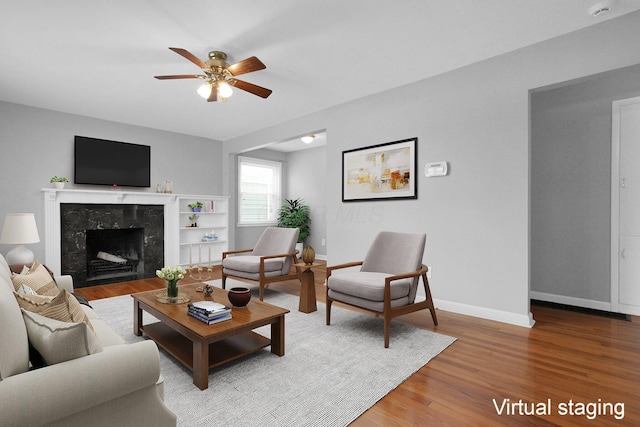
{"x":258,"y":191}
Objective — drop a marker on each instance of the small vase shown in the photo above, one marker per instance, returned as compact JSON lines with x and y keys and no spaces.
{"x":59,"y":185}
{"x":172,"y":289}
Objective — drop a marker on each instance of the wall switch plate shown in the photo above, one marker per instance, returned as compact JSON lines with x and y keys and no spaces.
{"x":429,"y":272}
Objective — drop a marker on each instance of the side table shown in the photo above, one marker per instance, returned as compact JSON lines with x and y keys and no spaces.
{"x":307,"y":287}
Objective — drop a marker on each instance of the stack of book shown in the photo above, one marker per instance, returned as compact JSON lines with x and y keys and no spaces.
{"x":209,"y":312}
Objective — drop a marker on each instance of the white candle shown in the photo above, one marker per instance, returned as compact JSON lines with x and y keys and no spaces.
{"x":199,"y":255}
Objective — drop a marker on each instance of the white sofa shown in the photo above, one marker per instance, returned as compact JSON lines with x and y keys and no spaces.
{"x":120,"y":385}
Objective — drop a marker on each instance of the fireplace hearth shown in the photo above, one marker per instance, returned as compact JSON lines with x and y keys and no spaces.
{"x":111,"y":243}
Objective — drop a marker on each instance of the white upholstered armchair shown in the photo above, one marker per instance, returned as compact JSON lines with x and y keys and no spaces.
{"x":387,"y":281}
{"x":269,"y":261}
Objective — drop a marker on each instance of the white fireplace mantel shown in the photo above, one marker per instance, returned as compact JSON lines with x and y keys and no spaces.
{"x":53,"y":198}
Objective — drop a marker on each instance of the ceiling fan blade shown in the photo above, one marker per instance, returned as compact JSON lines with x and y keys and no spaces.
{"x":251,"y":88}
{"x":181,"y":76}
{"x":245,"y":66}
{"x":190,"y":56}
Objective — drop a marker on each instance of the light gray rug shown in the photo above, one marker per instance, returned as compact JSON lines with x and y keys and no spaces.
{"x":328,"y":376}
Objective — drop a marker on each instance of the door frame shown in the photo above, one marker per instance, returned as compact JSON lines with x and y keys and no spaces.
{"x":615,"y":206}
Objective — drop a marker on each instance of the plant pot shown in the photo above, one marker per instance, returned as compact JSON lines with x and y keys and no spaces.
{"x":59,"y":185}
{"x":196,"y":209}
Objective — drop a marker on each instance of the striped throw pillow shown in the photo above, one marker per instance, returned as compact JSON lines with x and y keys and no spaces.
{"x":64,"y":307}
{"x":38,"y":279}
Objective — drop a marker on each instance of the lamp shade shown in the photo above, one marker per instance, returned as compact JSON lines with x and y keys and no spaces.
{"x":19,"y":229}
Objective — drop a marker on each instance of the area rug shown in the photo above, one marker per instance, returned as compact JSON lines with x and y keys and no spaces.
{"x":328,"y":376}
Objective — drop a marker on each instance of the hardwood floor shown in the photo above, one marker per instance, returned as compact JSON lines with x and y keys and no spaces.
{"x":585,"y":364}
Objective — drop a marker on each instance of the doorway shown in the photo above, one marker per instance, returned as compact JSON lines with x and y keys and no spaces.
{"x":625,"y":206}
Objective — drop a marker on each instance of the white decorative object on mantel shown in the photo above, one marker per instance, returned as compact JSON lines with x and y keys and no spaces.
{"x":53,"y":198}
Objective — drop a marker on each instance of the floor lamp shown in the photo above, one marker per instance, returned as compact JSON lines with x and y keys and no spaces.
{"x":19,"y":229}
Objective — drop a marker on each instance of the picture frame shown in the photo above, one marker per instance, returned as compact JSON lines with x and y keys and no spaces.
{"x":381,"y":172}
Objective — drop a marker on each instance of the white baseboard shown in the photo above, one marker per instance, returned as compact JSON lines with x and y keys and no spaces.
{"x":486,"y":313}
{"x":577,"y":302}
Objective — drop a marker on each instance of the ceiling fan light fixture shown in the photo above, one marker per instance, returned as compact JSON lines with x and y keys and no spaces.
{"x":224,"y":89}
{"x":308,"y":139}
{"x":205,"y":90}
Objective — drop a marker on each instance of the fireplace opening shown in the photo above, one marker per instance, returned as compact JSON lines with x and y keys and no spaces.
{"x":130,"y":232}
{"x":114,"y":254}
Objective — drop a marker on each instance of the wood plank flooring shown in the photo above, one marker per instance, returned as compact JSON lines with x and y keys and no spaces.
{"x":585,"y":362}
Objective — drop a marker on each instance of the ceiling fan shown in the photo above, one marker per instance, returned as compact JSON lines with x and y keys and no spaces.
{"x":220,"y":76}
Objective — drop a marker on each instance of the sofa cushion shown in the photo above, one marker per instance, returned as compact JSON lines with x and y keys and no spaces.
{"x":58,"y":341}
{"x":14,"y":345}
{"x":63,"y":307}
{"x":106,"y":335}
{"x":5,"y":274}
{"x":38,"y":279}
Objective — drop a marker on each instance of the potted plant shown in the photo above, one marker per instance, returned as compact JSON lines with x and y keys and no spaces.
{"x":194,"y":219}
{"x":295,"y":214}
{"x":195,"y":206}
{"x":58,"y":181}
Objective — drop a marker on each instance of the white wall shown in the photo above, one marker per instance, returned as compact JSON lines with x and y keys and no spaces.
{"x":476,"y":118}
{"x":37,"y":144}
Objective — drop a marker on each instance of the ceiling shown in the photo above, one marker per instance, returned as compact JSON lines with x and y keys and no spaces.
{"x":98,"y":59}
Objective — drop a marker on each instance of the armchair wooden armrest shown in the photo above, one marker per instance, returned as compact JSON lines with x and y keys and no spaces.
{"x":345,"y":265}
{"x":416,"y":273}
{"x":388,"y":280}
{"x":294,"y":253}
{"x":239,"y":251}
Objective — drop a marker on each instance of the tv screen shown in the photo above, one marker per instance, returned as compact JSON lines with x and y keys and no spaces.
{"x":102,"y":162}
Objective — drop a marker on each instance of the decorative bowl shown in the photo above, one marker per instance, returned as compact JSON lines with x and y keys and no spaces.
{"x":240,"y":296}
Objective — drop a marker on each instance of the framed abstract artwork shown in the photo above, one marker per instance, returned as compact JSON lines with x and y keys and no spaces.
{"x":384,"y":171}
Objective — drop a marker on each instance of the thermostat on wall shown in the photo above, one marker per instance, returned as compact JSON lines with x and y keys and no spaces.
{"x":435,"y":169}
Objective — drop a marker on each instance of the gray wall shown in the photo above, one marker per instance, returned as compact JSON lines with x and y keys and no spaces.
{"x":38,"y":143}
{"x":571,"y":186}
{"x":306,"y":179}
{"x":476,"y":118}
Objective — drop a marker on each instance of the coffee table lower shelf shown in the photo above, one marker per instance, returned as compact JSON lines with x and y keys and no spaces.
{"x":220,"y":352}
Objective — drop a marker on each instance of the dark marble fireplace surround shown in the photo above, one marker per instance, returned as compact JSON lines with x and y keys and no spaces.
{"x":148,"y":254}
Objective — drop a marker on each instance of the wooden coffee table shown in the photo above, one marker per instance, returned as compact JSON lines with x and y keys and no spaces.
{"x":200,"y":346}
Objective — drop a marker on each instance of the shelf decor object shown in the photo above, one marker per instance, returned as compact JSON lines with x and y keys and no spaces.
{"x":384,"y":171}
{"x":308,"y":255}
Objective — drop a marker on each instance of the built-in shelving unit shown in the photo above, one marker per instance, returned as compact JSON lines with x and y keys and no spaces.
{"x":203,"y":244}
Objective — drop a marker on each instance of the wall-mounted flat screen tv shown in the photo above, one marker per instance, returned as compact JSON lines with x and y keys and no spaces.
{"x":102,"y":162}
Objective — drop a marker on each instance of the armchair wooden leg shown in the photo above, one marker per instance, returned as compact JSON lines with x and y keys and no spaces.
{"x":328,"y":305}
{"x":387,"y":327}
{"x":224,"y":281}
{"x":261,"y":291}
{"x":432,"y":307}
